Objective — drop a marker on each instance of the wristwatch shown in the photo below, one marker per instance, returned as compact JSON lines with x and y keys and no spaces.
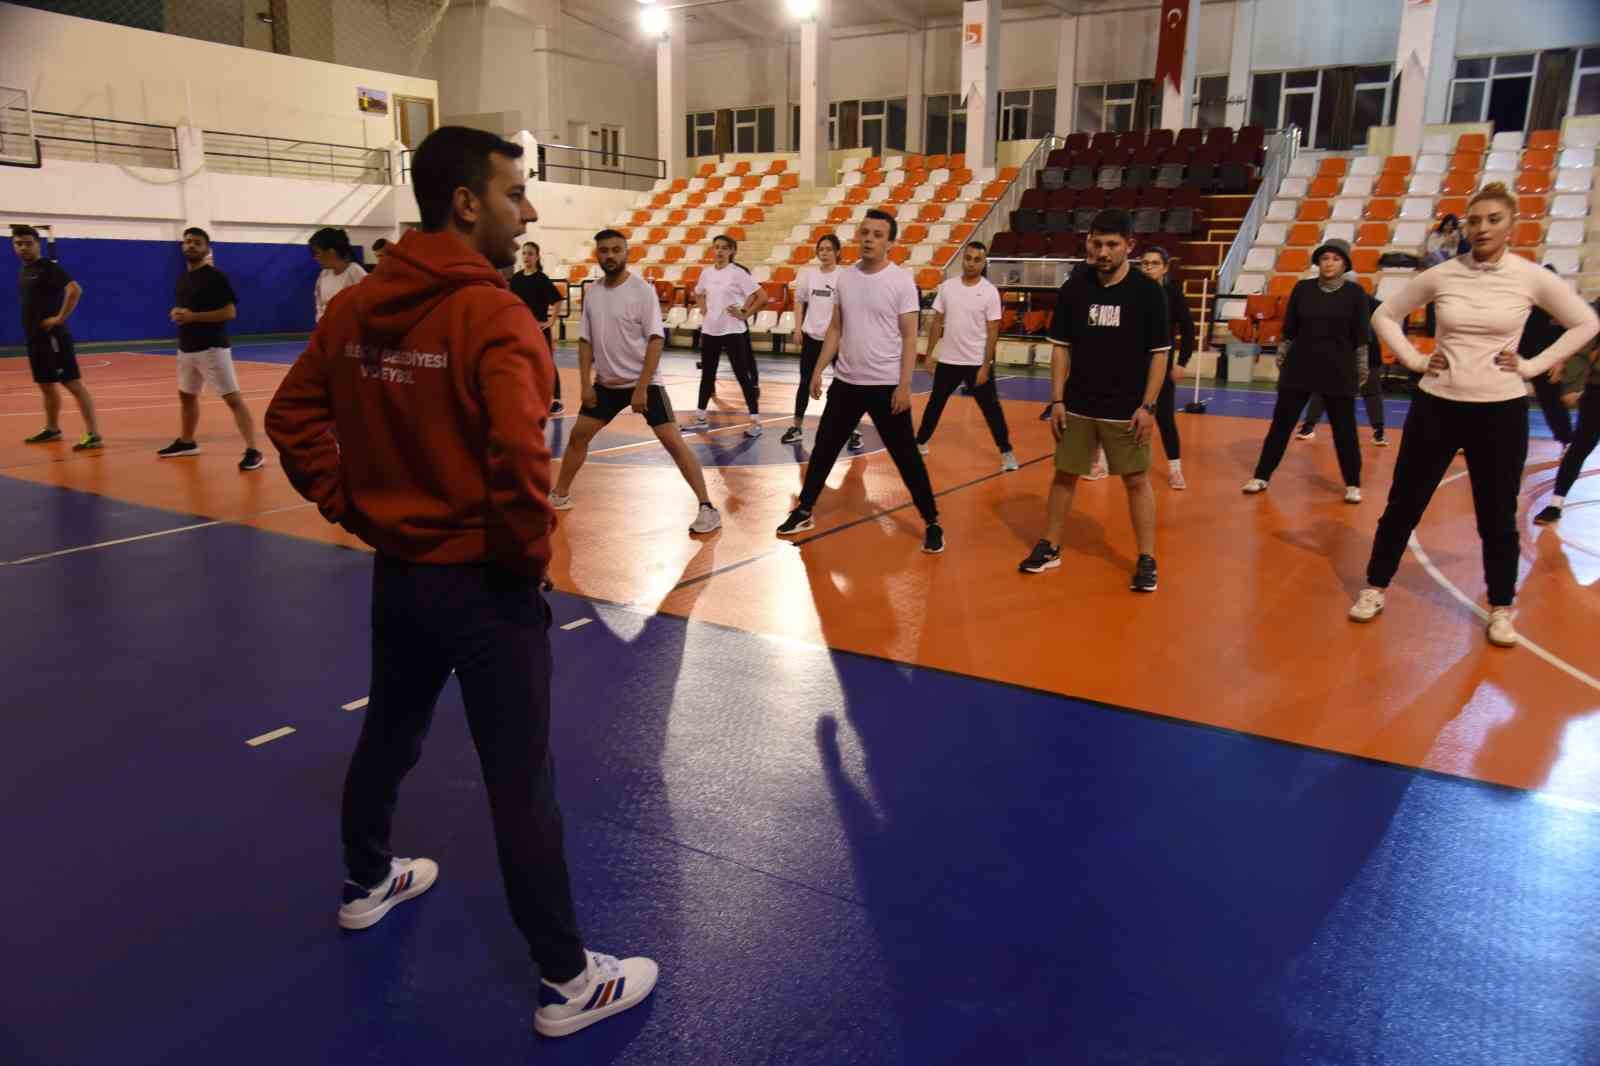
{"x":1150,"y":407}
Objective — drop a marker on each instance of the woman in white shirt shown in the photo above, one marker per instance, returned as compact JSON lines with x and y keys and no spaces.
{"x":727,"y":296}
{"x":1472,"y":397}
{"x":814,"y":295}
{"x":331,"y":249}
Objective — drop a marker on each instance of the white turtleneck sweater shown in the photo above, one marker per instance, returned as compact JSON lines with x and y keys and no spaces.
{"x":1481,"y":308}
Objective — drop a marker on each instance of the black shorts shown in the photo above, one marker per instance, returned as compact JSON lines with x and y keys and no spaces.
{"x":609,"y":403}
{"x":52,"y":358}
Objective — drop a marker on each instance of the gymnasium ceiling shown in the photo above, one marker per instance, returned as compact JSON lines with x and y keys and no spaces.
{"x":767,"y":20}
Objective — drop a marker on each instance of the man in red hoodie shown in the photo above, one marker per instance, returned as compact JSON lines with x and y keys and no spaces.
{"x":416,"y":419}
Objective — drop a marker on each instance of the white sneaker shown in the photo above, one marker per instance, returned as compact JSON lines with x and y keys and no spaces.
{"x":1500,"y":630}
{"x":607,"y":986}
{"x":923,"y":448}
{"x":1306,"y":433}
{"x":700,"y":421}
{"x":1008,"y":462}
{"x":1368,"y":605}
{"x":560,"y":502}
{"x":753,"y":429}
{"x":1254,"y":485}
{"x":1175,"y":477}
{"x":408,"y":878}
{"x":1352,"y":494}
{"x":707,"y":521}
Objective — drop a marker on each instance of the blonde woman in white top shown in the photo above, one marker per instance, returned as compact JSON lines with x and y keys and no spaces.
{"x":331,"y":249}
{"x":1472,"y":397}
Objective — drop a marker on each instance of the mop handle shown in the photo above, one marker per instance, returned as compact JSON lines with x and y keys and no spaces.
{"x":1205,"y":285}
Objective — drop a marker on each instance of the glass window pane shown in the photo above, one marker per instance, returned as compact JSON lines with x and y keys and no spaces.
{"x":850,"y":124}
{"x":1373,"y":75}
{"x":1588,"y":98}
{"x":833,"y":110}
{"x":1368,"y":113}
{"x":896,"y":136}
{"x":1297,"y":112}
{"x":1513,"y":64}
{"x":1121,"y":91}
{"x":872,"y":107}
{"x":766,"y":132}
{"x":1472,"y":68}
{"x":705,"y":142}
{"x":958,"y":131}
{"x":1264,"y":92}
{"x":1300,"y":79}
{"x":794,"y":129}
{"x":872,"y":135}
{"x":1119,"y":117}
{"x":1091,"y":106}
{"x":747,"y":114}
{"x":1589,"y":57}
{"x":1044,"y":113}
{"x":1014,"y":98}
{"x":688,"y":134}
{"x":744,"y":139}
{"x":1466,"y":101}
{"x":1508,"y":102}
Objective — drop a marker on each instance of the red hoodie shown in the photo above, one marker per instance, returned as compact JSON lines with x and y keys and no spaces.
{"x":415,"y":418}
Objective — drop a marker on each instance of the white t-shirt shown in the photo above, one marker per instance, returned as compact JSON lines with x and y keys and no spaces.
{"x":870,"y":306}
{"x":618,"y":324}
{"x":330,"y":285}
{"x":967,"y":311}
{"x":815,"y":290}
{"x":730,"y":286}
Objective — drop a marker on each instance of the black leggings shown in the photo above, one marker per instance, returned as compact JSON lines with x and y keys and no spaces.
{"x":740,"y":357}
{"x":1495,"y":438}
{"x":1167,"y":416}
{"x":810,"y":352}
{"x":846,"y":404}
{"x":1341,"y":412}
{"x":551,"y":344}
{"x":1371,"y":396}
{"x":946,"y":377}
{"x":1556,"y":415}
{"x":1583,"y":441}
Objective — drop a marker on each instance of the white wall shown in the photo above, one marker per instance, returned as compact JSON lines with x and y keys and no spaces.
{"x":82,"y":67}
{"x":1490,"y":27}
{"x":1316,"y":33}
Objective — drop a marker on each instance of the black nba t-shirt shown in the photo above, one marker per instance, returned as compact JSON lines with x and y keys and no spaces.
{"x":1112,"y":331}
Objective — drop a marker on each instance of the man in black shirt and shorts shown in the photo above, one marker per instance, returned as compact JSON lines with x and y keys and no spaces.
{"x":49,"y":296}
{"x":620,"y":335}
{"x":1111,"y":337}
{"x":204,"y":305}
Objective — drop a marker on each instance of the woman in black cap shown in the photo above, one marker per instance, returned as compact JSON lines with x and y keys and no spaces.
{"x":1324,"y":350}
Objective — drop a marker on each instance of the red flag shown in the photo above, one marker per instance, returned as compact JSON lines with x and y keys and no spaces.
{"x":1174,"y":32}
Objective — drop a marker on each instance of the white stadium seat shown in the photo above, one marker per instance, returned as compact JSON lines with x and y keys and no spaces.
{"x":1292,"y":188}
{"x":764,"y":322}
{"x":1432,"y":164}
{"x":1409,"y":235}
{"x":1569,"y":207}
{"x":1340,"y":231}
{"x":1508,"y":178}
{"x":1425,"y":184}
{"x":1438,"y":143}
{"x":1502,"y":161}
{"x":1587,"y":136}
{"x":1250,"y":284}
{"x":1281,"y":211}
{"x":1572,"y":179}
{"x":1367,"y":165}
{"x":1576,"y":157}
{"x":785,"y":324}
{"x":1565,"y":260}
{"x":1272,"y":233}
{"x":1509,"y":141}
{"x":834,"y":195}
{"x":780,"y":253}
{"x":1347,"y":210}
{"x":676,"y":317}
{"x":1415,"y":207}
{"x":1260,"y":258}
{"x":1357,"y":185}
{"x":1304,"y":166}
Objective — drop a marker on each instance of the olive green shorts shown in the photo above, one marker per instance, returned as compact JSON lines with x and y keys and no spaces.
{"x":1075,"y":450}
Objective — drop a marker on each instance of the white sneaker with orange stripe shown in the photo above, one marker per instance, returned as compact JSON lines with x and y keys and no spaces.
{"x":608,"y":986}
{"x":408,"y":878}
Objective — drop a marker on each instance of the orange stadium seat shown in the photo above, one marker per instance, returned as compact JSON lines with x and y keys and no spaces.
{"x":1382,"y":210}
{"x":1314,"y":211}
{"x":1294,"y":260}
{"x":1372,"y":234}
{"x":1304,"y":234}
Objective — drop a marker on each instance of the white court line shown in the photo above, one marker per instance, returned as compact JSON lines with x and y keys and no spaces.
{"x":148,"y":536}
{"x":1483,"y":615}
{"x":268,"y":738}
{"x":578,"y":624}
{"x":354,"y":705}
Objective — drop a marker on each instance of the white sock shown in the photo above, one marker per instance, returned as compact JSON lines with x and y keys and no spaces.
{"x":578,"y":983}
{"x":1558,"y":501}
{"x":700,"y":414}
{"x":1174,"y":464}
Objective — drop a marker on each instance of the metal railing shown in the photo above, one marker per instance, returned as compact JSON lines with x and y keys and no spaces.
{"x":998,"y":218}
{"x":88,"y":139}
{"x":1282,"y":148}
{"x":607,"y":170}
{"x":281,"y":157}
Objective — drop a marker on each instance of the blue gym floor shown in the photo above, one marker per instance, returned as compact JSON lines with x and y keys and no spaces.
{"x":836,"y":859}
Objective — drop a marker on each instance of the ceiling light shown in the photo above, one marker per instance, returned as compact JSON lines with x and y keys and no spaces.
{"x":802,"y":9}
{"x":654,"y":20}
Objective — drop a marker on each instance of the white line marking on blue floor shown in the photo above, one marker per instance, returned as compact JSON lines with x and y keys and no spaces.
{"x":579,"y":623}
{"x":354,"y":705}
{"x":108,"y":543}
{"x":268,"y":738}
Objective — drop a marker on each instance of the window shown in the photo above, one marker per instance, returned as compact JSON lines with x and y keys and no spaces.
{"x":945,"y":125}
{"x":1310,"y":99}
{"x":1114,"y":107}
{"x":1496,"y":89}
{"x":794,"y":128}
{"x":1586,"y":84}
{"x":1026,"y":114}
{"x":1210,"y":102}
{"x":608,"y":142}
{"x":746,"y":130}
{"x":876,"y":124}
{"x":1370,"y":103}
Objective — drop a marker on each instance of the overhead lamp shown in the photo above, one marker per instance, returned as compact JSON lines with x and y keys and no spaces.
{"x":803,"y":10}
{"x":654,"y":20}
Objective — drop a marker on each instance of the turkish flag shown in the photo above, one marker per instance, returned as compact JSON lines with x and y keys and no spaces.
{"x":1174,"y":32}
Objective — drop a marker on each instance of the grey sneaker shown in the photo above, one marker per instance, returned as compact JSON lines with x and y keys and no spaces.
{"x":709,"y":520}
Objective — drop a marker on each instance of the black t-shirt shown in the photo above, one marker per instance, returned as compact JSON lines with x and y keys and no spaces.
{"x":1112,"y":331}
{"x":43,"y":284}
{"x":537,"y":291}
{"x":204,"y":289}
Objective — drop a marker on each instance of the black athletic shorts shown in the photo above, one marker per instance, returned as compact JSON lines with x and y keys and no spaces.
{"x":609,"y":403}
{"x":52,"y":357}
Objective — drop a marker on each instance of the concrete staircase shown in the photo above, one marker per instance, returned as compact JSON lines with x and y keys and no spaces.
{"x":762,"y":237}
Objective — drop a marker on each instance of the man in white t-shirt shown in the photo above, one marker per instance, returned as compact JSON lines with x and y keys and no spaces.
{"x":727,"y":296}
{"x":331,"y":249}
{"x":813,"y":292}
{"x":873,"y":333}
{"x":619,"y":356}
{"x":966,"y":311}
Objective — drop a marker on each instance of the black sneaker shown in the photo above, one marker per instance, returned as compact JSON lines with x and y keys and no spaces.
{"x":252,"y":460}
{"x":44,"y":436}
{"x":799,"y":521}
{"x":179,"y":448}
{"x":1548,"y":517}
{"x":792,"y":435}
{"x":1144,"y":574}
{"x":1042,"y":558}
{"x":855,"y":441}
{"x":1379,"y":439}
{"x":933,"y":539}
{"x":556,"y":407}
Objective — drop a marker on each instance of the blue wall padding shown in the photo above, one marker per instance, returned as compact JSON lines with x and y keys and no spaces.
{"x":128,"y":288}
